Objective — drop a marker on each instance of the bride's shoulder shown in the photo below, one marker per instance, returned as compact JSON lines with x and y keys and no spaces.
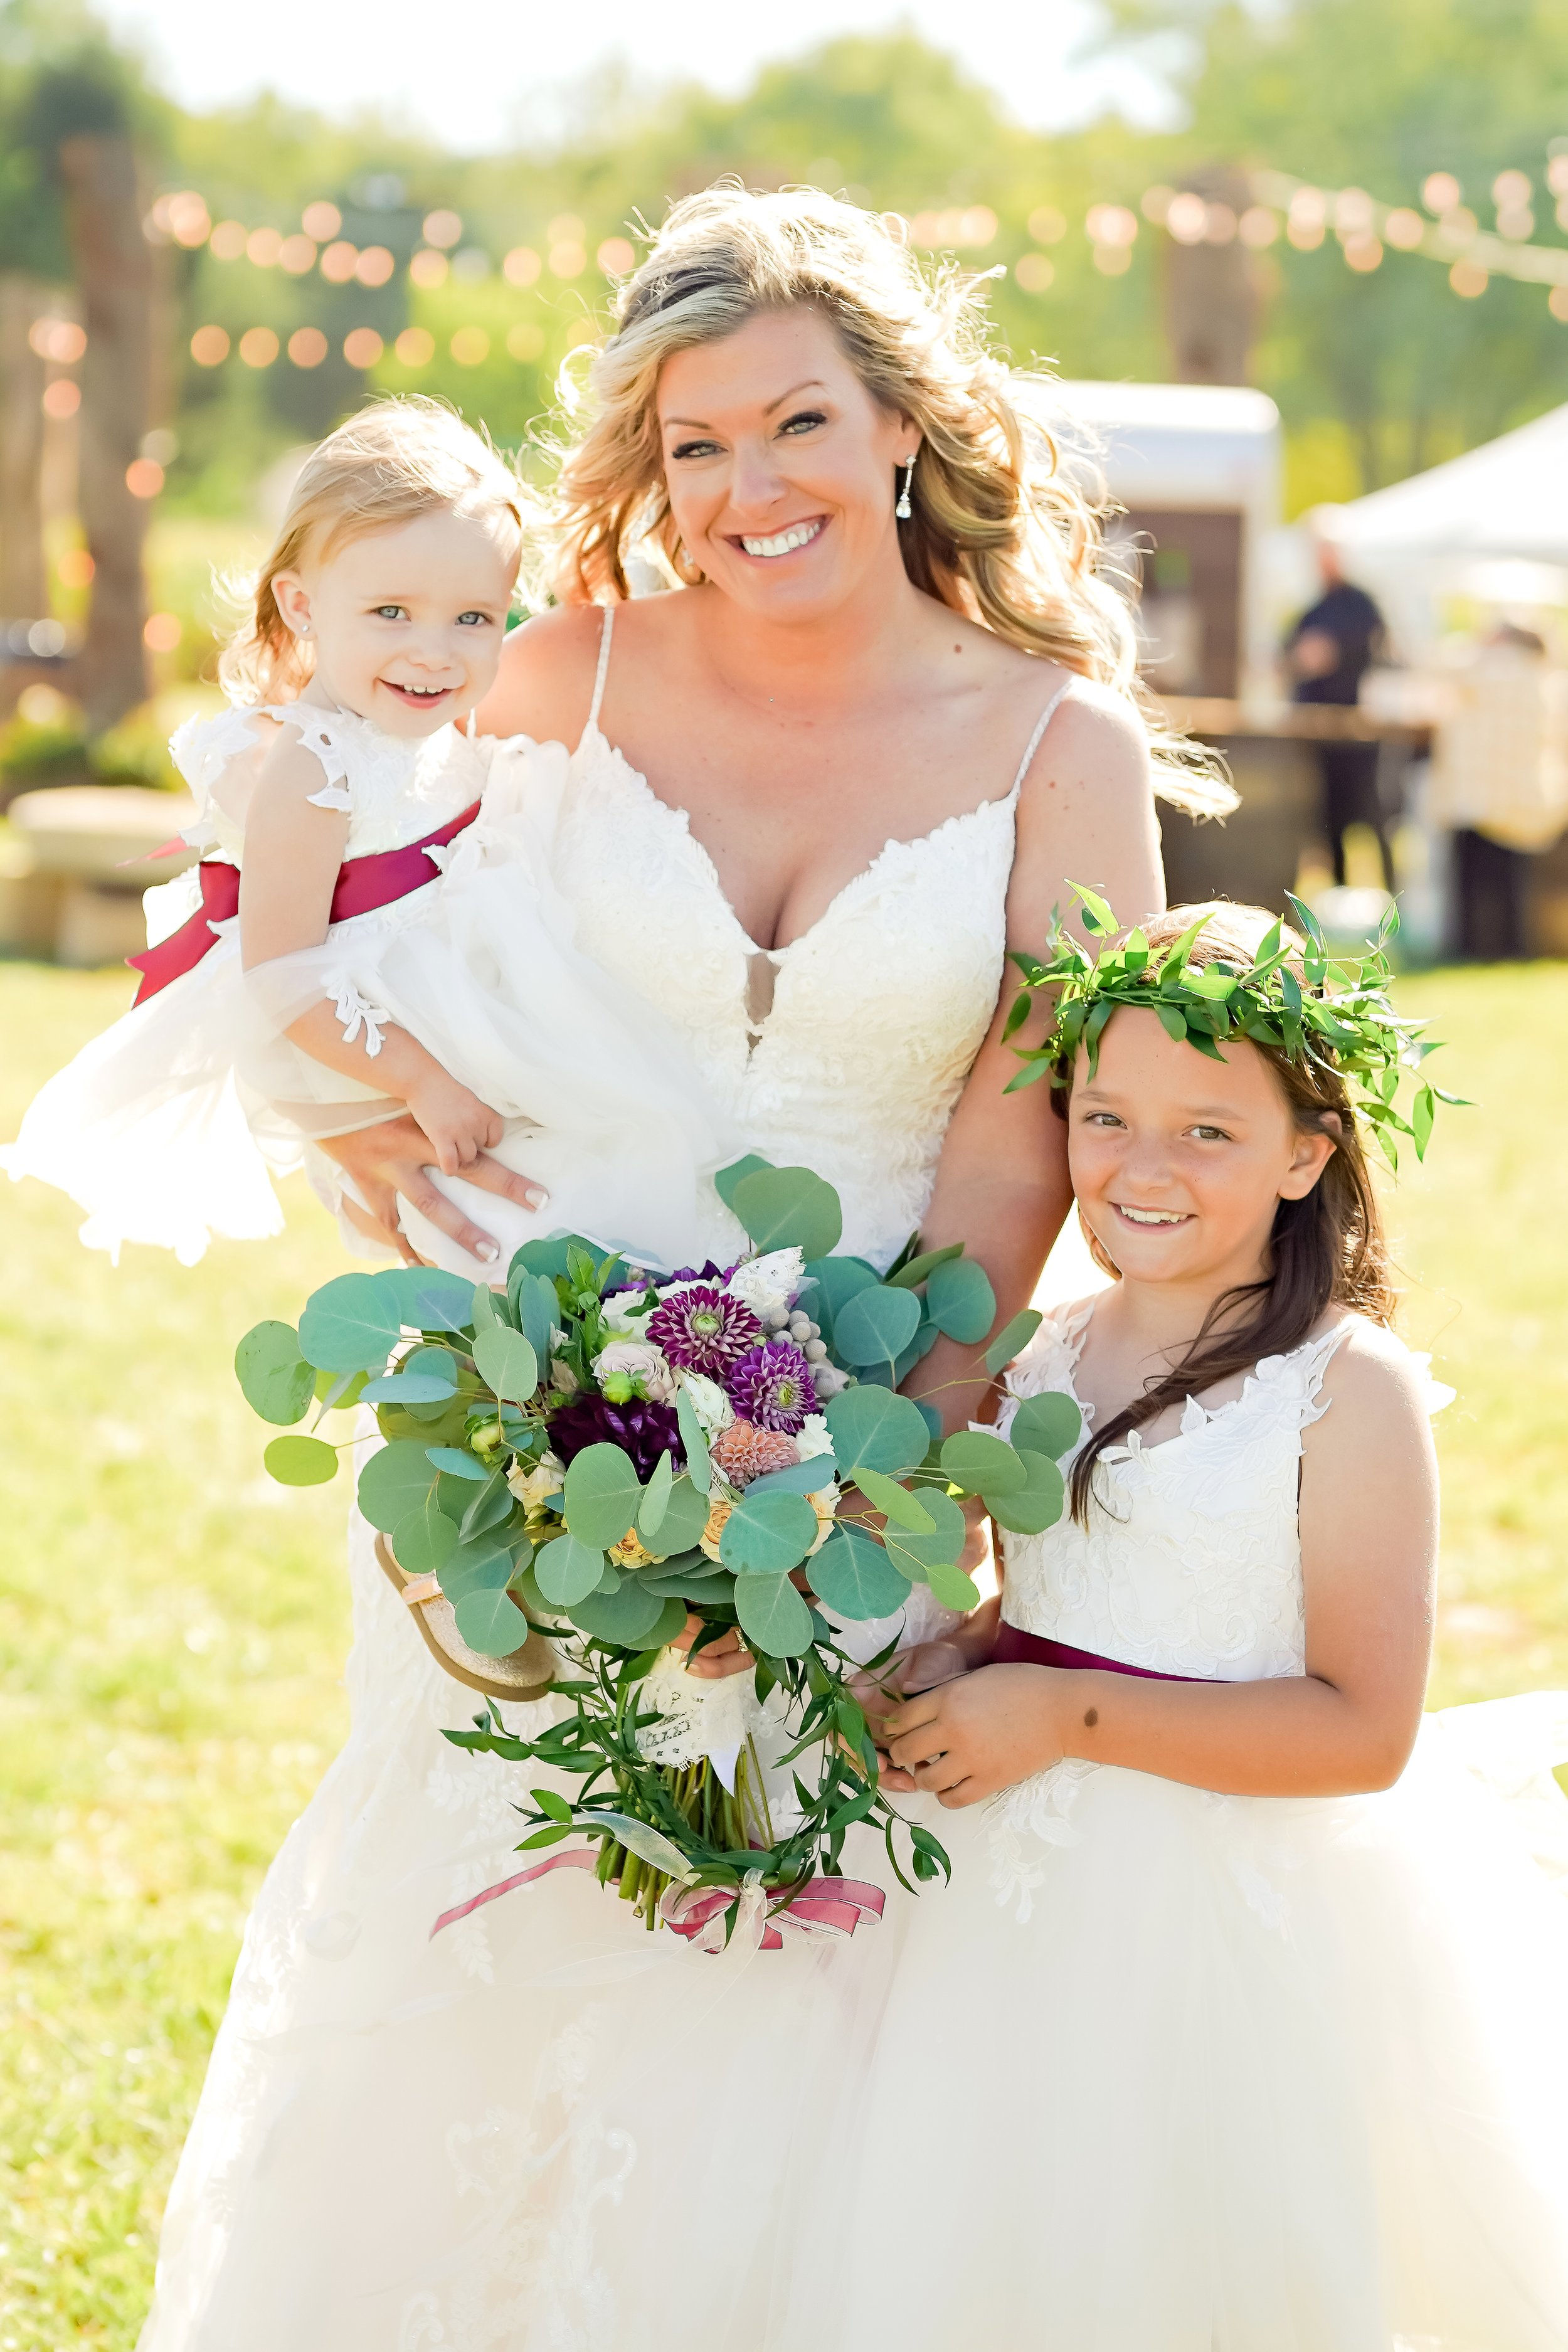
{"x":545,"y":685}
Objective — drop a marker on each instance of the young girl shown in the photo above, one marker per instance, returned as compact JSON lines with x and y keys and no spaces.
{"x":1274,"y":2055}
{"x":336,"y":793}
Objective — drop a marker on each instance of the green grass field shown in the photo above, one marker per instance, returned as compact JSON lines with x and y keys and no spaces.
{"x":172,"y":1626}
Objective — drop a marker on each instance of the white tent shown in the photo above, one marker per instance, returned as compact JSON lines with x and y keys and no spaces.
{"x":1492,"y":524}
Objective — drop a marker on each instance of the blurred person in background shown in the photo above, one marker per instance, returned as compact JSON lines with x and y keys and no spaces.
{"x":1500,"y":784}
{"x":1328,"y":653}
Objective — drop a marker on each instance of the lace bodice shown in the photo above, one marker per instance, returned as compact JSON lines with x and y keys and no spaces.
{"x":1194,"y":1564}
{"x":394,"y":788}
{"x":876,"y":1013}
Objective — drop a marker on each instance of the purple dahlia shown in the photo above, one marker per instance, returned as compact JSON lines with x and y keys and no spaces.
{"x":645,"y":1429}
{"x":703,"y":1330}
{"x":771,"y":1387}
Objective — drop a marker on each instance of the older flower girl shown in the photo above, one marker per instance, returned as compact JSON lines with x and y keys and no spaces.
{"x":1270,"y":2051}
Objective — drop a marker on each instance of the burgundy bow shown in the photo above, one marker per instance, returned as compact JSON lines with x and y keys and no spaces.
{"x":824,"y":1907}
{"x":363,"y":883}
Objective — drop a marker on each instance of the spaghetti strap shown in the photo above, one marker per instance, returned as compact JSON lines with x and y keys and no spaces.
{"x":606,"y":633}
{"x":1044,"y":720}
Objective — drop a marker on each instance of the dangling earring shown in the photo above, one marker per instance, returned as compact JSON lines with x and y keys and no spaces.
{"x":903,"y":509}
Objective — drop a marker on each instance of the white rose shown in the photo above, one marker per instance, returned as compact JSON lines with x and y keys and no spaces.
{"x":624,"y":1313}
{"x":768,"y":1284}
{"x":811,"y":1437}
{"x":711,"y":1406}
{"x":640,"y":1361}
{"x":533,"y":1488}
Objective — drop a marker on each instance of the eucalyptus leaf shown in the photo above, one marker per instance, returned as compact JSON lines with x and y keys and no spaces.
{"x":837,"y":1280}
{"x":491,"y":1624}
{"x":766,"y":1535}
{"x":952,"y":1587}
{"x":538,"y":1311}
{"x":436,"y":1301}
{"x":783,"y":1208}
{"x":774,"y":1618}
{"x":352,"y":1323}
{"x":492,"y":1504}
{"x":490,"y":1309}
{"x":693,"y":1443}
{"x":506,"y":1363}
{"x":808,"y":1478}
{"x":685,"y":1516}
{"x":854,"y":1574}
{"x":483,"y":1567}
{"x":628,"y":1615}
{"x":876,"y":1326}
{"x":725,"y":1182}
{"x":300,"y":1461}
{"x":974,"y":1459}
{"x":915,"y":1269}
{"x":1046,"y":1425}
{"x":961,"y":1301}
{"x":457,"y":1463}
{"x":895,"y":1502}
{"x":408,"y":1389}
{"x":873,"y":1429}
{"x":277,"y":1382}
{"x":655,"y":1501}
{"x":1037,"y":1505}
{"x":424,"y":1538}
{"x":1012,"y":1339}
{"x":603,"y":1495}
{"x":567,"y":1568}
{"x":916,"y":1553}
{"x":393,"y":1481}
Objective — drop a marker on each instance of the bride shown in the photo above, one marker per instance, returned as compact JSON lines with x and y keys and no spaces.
{"x":813,"y":797}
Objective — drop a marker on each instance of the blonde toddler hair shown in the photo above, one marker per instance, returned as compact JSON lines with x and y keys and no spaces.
{"x":398,"y":458}
{"x":999,"y":531}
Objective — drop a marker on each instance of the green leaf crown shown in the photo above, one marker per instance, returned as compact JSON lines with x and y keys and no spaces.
{"x":1337,"y":1016}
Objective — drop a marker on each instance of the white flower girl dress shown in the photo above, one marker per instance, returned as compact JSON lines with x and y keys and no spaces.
{"x":168,"y":1127}
{"x":1210,"y":2074}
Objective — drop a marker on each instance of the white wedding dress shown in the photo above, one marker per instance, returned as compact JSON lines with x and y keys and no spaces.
{"x":549,"y":2130}
{"x":1209,"y":2074}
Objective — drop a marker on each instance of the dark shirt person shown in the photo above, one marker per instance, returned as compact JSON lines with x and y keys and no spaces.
{"x":1328,"y":651}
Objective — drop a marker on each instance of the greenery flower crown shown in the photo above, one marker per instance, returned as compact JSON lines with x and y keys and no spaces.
{"x":1337,"y":1017}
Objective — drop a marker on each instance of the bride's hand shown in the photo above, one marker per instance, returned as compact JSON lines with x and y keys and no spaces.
{"x":727,"y":1655}
{"x":394,"y":1158}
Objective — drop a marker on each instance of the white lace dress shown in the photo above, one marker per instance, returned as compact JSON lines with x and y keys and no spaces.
{"x":1207,"y":2073}
{"x":549,"y":2131}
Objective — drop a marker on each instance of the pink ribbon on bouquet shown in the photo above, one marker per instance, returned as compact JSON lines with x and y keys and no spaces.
{"x":824,"y":1907}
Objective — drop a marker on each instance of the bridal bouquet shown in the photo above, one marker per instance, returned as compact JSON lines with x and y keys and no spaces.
{"x":598,"y":1451}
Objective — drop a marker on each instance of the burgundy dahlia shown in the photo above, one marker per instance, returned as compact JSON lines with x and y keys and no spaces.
{"x":645,"y":1429}
{"x":703,"y":1330}
{"x":771,"y":1387}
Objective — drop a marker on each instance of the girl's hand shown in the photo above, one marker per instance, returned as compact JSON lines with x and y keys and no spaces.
{"x":967,"y":1739}
{"x":458,"y":1125}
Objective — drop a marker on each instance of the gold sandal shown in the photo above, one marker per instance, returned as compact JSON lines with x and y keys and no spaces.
{"x":526,"y":1674}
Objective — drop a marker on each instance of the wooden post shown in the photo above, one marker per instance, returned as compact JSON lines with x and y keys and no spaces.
{"x":1211,"y":293}
{"x":23,"y":585}
{"x":114,"y":280}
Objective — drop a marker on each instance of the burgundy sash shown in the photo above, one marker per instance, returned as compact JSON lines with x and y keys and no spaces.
{"x":1016,"y":1648}
{"x":363,"y":885}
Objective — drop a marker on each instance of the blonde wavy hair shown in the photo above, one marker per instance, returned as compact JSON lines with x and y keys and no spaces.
{"x":999,"y":531}
{"x":398,"y":458}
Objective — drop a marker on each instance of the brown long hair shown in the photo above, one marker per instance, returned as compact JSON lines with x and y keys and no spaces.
{"x":1000,"y":529}
{"x":1327,"y":1249}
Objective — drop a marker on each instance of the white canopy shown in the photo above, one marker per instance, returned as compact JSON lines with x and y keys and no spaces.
{"x":1507,"y":499}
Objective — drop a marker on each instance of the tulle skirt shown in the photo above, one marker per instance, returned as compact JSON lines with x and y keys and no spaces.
{"x":1252,"y":2076}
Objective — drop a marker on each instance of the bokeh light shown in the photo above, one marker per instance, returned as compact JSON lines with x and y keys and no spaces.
{"x":307,"y":347}
{"x":567,"y":259}
{"x":76,"y":568}
{"x":1403,"y":228}
{"x":363,"y":347}
{"x":1557,"y":302}
{"x":1363,"y":252}
{"x":143,"y":478}
{"x":337,"y":262}
{"x":209,"y":346}
{"x":616,"y":257}
{"x":263,"y":247}
{"x":429,"y":267}
{"x":296,"y":254}
{"x":1468,"y":279}
{"x":374,"y":265}
{"x":226,"y":242}
{"x":258,"y":347}
{"x":521,"y":265}
{"x":321,"y":221}
{"x":443,"y":228}
{"x":1035,"y":272}
{"x":526,"y":341}
{"x":1187,"y":218}
{"x":62,"y":398}
{"x":1258,"y":227}
{"x":162,"y":632}
{"x":60,"y":339}
{"x":1510,"y":190}
{"x":470,"y":346}
{"x":414,"y":347}
{"x":1440,"y":191}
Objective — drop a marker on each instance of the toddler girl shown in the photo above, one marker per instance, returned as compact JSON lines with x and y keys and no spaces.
{"x":1274,"y":2055}
{"x":345,"y":803}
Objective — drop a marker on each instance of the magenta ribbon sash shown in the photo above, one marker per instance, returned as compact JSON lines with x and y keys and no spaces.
{"x":363,"y":883}
{"x":1017,"y":1648}
{"x":824,"y":1907}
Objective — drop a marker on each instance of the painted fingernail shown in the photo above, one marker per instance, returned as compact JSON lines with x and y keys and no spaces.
{"x":537,"y":1196}
{"x":487,"y":1253}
